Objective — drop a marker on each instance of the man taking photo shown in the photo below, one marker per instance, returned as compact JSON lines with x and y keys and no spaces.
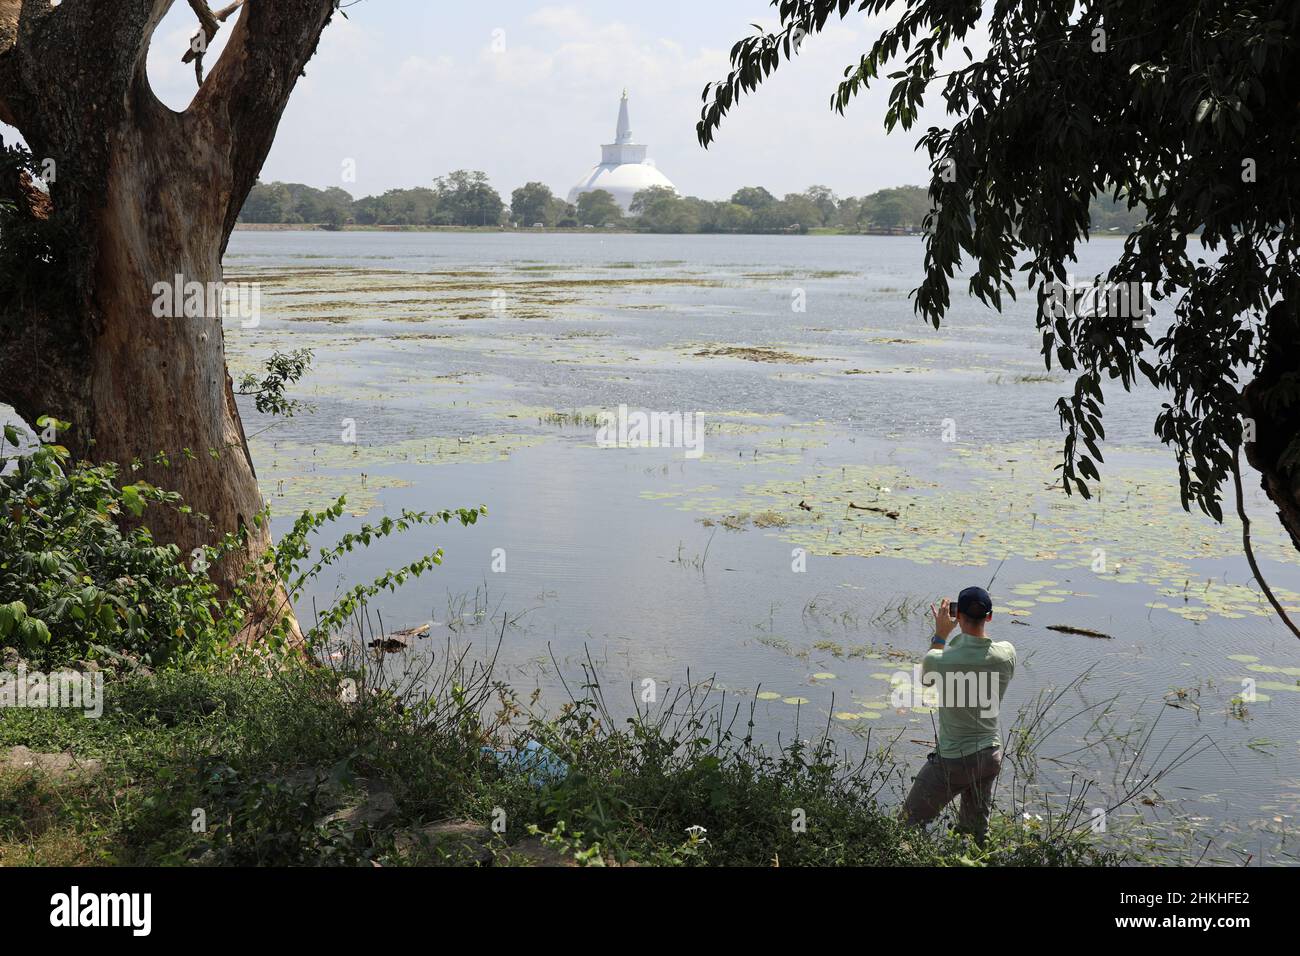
{"x":971,"y":673}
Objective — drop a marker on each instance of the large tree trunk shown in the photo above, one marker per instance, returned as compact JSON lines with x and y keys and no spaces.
{"x":141,"y":196}
{"x":1269,"y":401}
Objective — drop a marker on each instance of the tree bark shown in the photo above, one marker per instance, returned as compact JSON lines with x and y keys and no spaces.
{"x":1269,"y":403}
{"x":143,"y":195}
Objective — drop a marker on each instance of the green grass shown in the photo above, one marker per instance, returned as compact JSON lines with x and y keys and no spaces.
{"x":261,"y":753}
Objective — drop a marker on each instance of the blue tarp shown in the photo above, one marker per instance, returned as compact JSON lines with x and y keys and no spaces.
{"x":541,"y":764}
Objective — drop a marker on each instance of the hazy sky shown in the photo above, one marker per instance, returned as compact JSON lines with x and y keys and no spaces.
{"x":411,"y":89}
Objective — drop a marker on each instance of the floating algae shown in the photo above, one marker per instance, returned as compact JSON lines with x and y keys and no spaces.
{"x":295,"y":476}
{"x":1135,"y":517}
{"x":1277,"y":685}
{"x":1269,"y":669}
{"x":756,"y":354}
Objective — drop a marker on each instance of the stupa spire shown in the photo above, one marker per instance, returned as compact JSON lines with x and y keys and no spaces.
{"x":624,"y":134}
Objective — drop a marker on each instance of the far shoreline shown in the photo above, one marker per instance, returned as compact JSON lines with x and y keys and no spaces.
{"x":545,"y":230}
{"x":581,"y":230}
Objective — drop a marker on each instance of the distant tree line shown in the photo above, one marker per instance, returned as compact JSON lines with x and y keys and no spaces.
{"x":466,"y":198}
{"x":462,"y":198}
{"x":755,"y":210}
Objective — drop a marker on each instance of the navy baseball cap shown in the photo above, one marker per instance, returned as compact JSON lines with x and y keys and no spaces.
{"x":975,"y":603}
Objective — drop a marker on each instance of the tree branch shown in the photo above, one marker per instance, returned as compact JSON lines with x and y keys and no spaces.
{"x":245,"y":94}
{"x":209,"y":24}
{"x":1250,"y":551}
{"x":208,"y":28}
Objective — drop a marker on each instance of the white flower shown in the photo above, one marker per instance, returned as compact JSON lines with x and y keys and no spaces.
{"x":697,"y":832}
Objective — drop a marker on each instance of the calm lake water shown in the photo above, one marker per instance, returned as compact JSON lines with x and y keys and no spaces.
{"x":467,"y":367}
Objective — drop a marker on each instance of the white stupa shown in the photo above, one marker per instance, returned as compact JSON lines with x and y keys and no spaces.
{"x":623,"y":171}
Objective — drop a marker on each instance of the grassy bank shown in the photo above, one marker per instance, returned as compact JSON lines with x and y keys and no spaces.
{"x":285,"y":767}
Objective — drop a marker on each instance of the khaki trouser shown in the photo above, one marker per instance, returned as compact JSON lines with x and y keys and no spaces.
{"x":942,"y":778}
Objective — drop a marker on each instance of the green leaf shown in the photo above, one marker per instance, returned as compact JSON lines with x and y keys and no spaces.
{"x":132,"y":501}
{"x":35,"y":634}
